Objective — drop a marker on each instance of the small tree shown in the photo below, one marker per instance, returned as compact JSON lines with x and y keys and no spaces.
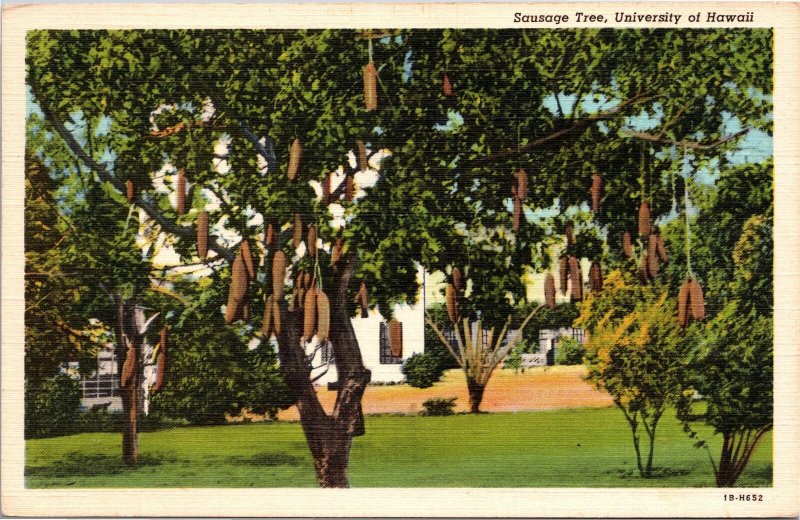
{"x":570,"y":351}
{"x":479,"y":352}
{"x":634,"y":354}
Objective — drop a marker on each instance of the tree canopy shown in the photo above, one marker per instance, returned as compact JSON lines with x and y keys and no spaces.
{"x":409,"y":139}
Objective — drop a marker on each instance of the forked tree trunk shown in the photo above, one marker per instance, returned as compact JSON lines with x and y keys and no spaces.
{"x":475,"y":390}
{"x":329,"y":436}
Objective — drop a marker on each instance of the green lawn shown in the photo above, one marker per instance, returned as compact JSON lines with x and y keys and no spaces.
{"x":574,"y":447}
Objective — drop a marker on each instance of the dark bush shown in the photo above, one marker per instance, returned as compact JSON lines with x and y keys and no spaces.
{"x":53,"y":407}
{"x":439,"y":406}
{"x":422,"y":370}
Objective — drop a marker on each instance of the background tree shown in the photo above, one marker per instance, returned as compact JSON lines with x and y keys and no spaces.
{"x":171,"y":97}
{"x":55,"y":331}
{"x":635,"y":354}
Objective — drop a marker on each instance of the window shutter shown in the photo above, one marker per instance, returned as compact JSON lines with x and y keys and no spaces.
{"x":396,"y":338}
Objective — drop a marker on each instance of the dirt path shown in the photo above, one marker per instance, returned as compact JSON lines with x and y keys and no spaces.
{"x":542,"y":388}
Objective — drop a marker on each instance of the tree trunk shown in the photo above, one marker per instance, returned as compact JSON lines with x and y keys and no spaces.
{"x":330,"y":447}
{"x":475,"y":394}
{"x":329,"y":437}
{"x":724,"y":469}
{"x":130,"y":412}
{"x":651,"y":433}
{"x":129,"y":329}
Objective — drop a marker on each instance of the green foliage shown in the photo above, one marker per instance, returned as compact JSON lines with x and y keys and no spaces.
{"x":212,"y":373}
{"x":562,"y":315}
{"x":569,"y":351}
{"x":437,"y":200}
{"x":439,"y":406}
{"x":52,"y":407}
{"x":739,"y":194}
{"x":423,"y":370}
{"x":733,"y":362}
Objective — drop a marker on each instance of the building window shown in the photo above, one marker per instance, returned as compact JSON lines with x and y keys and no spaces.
{"x":326,"y":353}
{"x":104,"y":382}
{"x":386,"y":357}
{"x":100,"y":385}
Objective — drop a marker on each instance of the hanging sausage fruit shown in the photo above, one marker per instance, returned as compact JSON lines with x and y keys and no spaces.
{"x":362,"y":300}
{"x":130,"y":191}
{"x":627,"y":246}
{"x":691,"y":303}
{"x":644,"y":219}
{"x":181,"y":193}
{"x":550,"y":291}
{"x":202,"y":234}
{"x":452,"y":303}
{"x":237,"y":291}
{"x":569,"y":231}
{"x":278,"y":274}
{"x":458,"y":280}
{"x":161,"y":361}
{"x":447,"y":87}
{"x":576,"y":279}
{"x":596,"y":277}
{"x":310,"y":314}
{"x":361,"y":157}
{"x":295,"y":156}
{"x":370,"y":87}
{"x":563,"y":274}
{"x":323,"y":316}
{"x":247,"y":256}
{"x":597,"y":192}
{"x":519,"y":192}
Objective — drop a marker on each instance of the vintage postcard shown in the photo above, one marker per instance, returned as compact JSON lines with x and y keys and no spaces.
{"x":400,"y":260}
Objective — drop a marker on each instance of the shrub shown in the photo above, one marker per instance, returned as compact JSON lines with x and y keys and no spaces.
{"x":100,"y":420}
{"x":214,"y":374}
{"x":439,"y":406}
{"x":422,"y":370}
{"x":569,"y":351}
{"x":53,"y":407}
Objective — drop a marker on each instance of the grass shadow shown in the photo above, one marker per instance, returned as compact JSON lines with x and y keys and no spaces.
{"x":81,"y":465}
{"x":269,"y":459}
{"x":656,"y":472}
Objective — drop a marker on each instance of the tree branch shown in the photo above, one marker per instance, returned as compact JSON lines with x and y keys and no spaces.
{"x":166,"y":224}
{"x":444,"y":341}
{"x":579,"y":124}
{"x":695,"y":145}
